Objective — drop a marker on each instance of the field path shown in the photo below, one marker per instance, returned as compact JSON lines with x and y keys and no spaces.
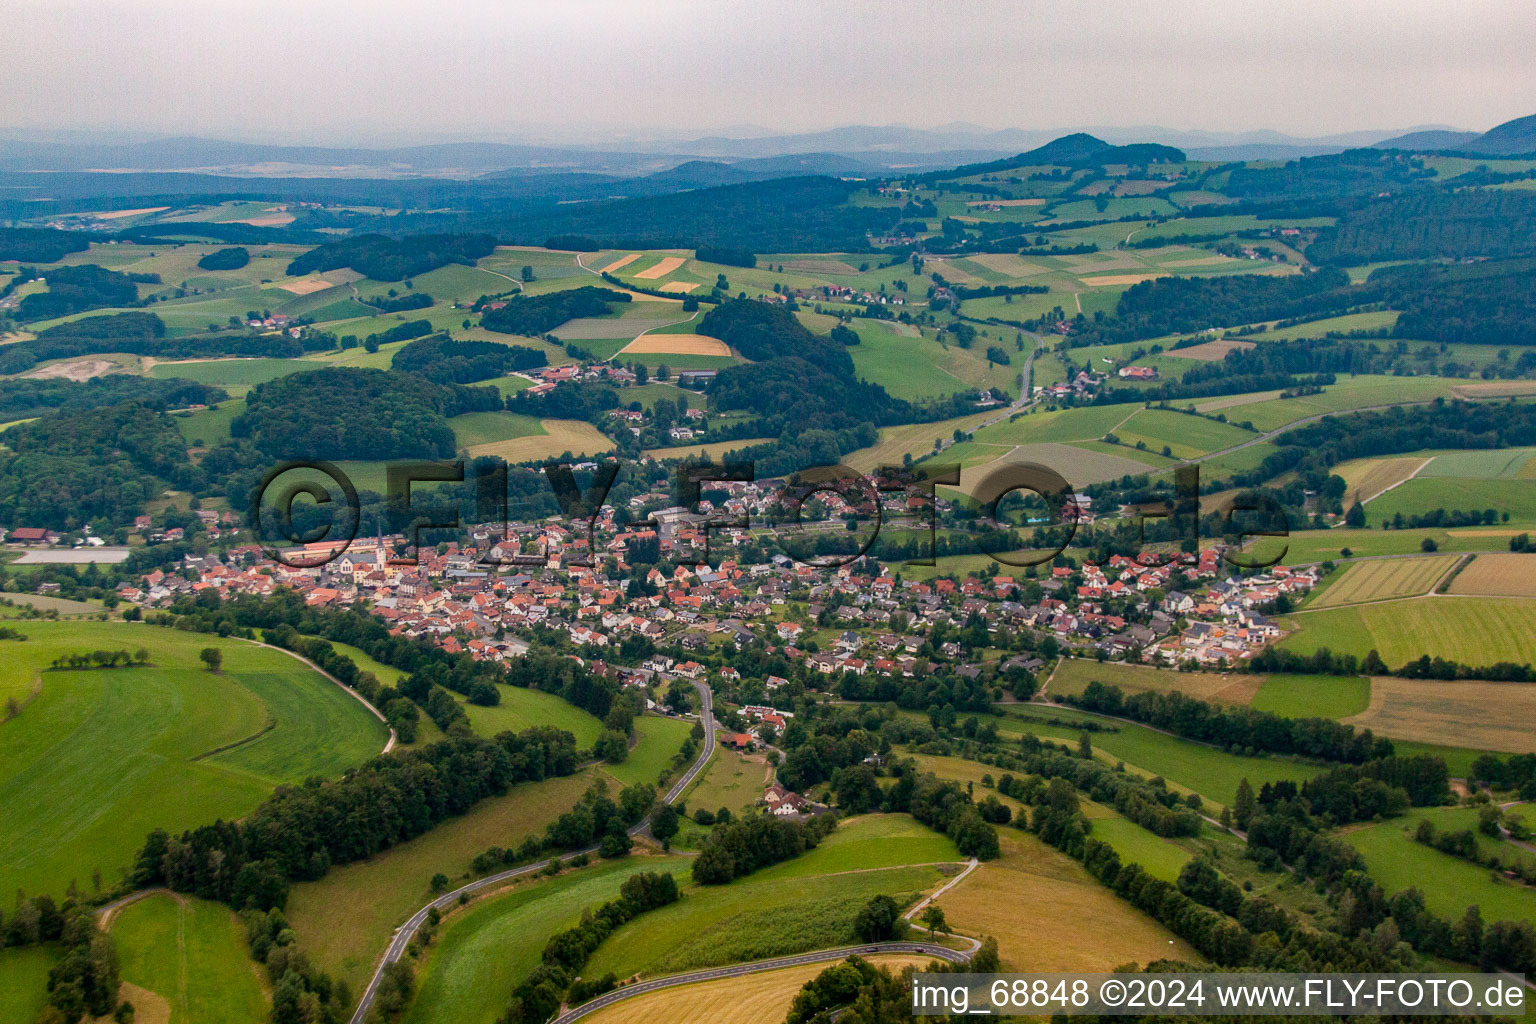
{"x":1400,"y":483}
{"x":447,"y":901}
{"x":921,"y":904}
{"x":390,"y":745}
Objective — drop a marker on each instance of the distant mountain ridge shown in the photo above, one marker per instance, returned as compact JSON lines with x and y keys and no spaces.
{"x":1512,"y":138}
{"x":1076,"y":150}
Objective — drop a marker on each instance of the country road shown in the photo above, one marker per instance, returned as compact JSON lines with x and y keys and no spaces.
{"x":404,"y":934}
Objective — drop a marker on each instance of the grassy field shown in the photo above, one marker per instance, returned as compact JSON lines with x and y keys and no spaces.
{"x":1363,"y":582}
{"x":101,"y":757}
{"x":1188,"y":767}
{"x":732,"y":780}
{"x":660,"y":740}
{"x":523,"y":708}
{"x":1470,"y":630}
{"x":1433,"y":711}
{"x":345,"y":919}
{"x":1073,"y":675}
{"x":1186,"y":436}
{"x":554,"y":438}
{"x":1313,"y":696}
{"x":485,"y":950}
{"x":1357,"y":392}
{"x":209,"y":426}
{"x":865,"y":843}
{"x":915,"y":439}
{"x":192,"y":954}
{"x":1516,"y":498}
{"x":1449,"y":884}
{"x":1511,"y":575}
{"x":1366,"y":478}
{"x":751,"y":919}
{"x":24,"y":981}
{"x":1049,"y":914}
{"x":472,"y":429}
{"x":232,"y":374}
{"x":1161,"y":857}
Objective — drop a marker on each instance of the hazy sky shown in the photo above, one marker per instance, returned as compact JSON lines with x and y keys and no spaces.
{"x":306,"y":68}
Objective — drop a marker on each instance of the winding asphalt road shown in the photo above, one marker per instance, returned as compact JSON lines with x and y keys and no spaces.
{"x":406,"y":932}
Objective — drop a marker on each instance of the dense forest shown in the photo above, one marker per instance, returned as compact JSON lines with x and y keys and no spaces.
{"x":23,"y":398}
{"x":95,"y":465}
{"x":351,"y":413}
{"x":388,"y":259}
{"x":40,"y":245}
{"x":534,"y":315}
{"x":440,"y":359}
{"x":1431,"y":225}
{"x":226,"y":259}
{"x":139,"y":334}
{"x":781,"y":215}
{"x":1315,"y":179}
{"x":75,"y":290}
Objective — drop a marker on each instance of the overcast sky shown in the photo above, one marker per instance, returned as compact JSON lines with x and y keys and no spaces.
{"x":305,"y":69}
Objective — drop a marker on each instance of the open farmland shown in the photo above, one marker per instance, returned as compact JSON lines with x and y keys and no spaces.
{"x":1073,"y":675}
{"x":487,"y":948}
{"x":1383,"y":580}
{"x":556,"y":438}
{"x":346,"y":918}
{"x":676,"y":344}
{"x":98,"y":758}
{"x":524,"y":708}
{"x":660,"y":740}
{"x":1512,"y":575}
{"x":1078,"y":466}
{"x":1049,"y":914}
{"x":1460,"y":712}
{"x":733,"y":780}
{"x":1366,"y":478}
{"x":748,"y":1000}
{"x":1449,"y":884}
{"x":192,"y":955}
{"x":1470,"y":630}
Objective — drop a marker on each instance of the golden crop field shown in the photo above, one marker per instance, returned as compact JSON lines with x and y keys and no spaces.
{"x":664,"y":267}
{"x":1512,"y":575}
{"x":1073,"y":675}
{"x":1049,"y":914}
{"x":560,"y":436}
{"x":746,"y":1000}
{"x":1366,"y":478}
{"x":1460,"y":713}
{"x":677,"y":344}
{"x":1383,"y":580}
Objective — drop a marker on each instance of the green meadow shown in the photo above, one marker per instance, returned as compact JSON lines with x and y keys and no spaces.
{"x":98,"y":758}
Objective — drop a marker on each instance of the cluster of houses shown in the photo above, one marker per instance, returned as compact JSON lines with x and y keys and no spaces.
{"x":1081,"y":385}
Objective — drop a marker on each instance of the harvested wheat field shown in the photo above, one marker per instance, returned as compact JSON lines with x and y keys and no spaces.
{"x":678,"y":286}
{"x":1049,"y":914}
{"x":1364,"y":479}
{"x":1464,"y":713}
{"x":819,"y":267}
{"x":748,"y":1000}
{"x":275,"y":219}
{"x":1007,"y":202}
{"x":1383,"y":580}
{"x":1210,"y":351}
{"x":1512,"y":575}
{"x":305,"y":285}
{"x":1495,"y":389}
{"x":1117,"y":280}
{"x":119,"y":214}
{"x":79,"y":370}
{"x":1202,"y":261}
{"x":676,"y":344}
{"x":1007,"y":263}
{"x":621,"y":262}
{"x":560,"y":436}
{"x":662,"y":269}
